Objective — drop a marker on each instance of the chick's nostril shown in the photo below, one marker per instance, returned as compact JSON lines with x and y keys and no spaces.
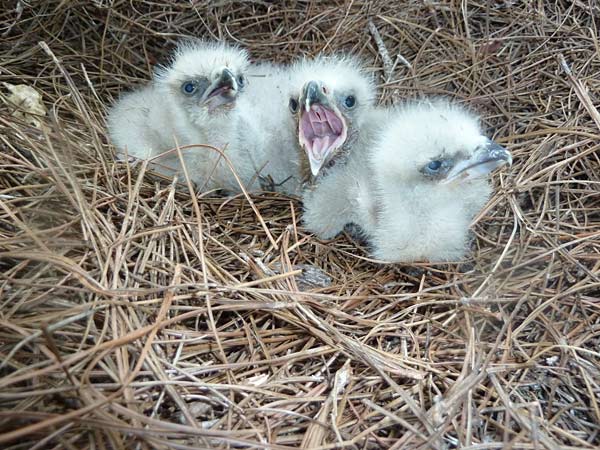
{"x":324,"y":89}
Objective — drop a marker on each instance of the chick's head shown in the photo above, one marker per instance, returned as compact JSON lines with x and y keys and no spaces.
{"x":204,"y":79}
{"x":431,"y":163}
{"x":330,"y":100}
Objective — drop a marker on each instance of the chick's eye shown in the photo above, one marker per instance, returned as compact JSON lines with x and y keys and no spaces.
{"x":434,"y":166}
{"x":189,"y":87}
{"x":293,"y":105}
{"x":350,"y":101}
{"x":241,"y":80}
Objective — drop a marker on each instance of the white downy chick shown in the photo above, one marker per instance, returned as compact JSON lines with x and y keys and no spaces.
{"x":192,"y":100}
{"x":345,"y":194}
{"x":266,"y":132}
{"x":287,"y":147}
{"x":430,"y":166}
{"x":334,"y":107}
{"x":332,"y":97}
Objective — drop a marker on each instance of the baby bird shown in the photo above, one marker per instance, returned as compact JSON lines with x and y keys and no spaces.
{"x":335,"y":114}
{"x":429,"y":172}
{"x":345,"y":194}
{"x":331,"y":99}
{"x":266,"y":131}
{"x":192,"y":100}
{"x":287,"y":150}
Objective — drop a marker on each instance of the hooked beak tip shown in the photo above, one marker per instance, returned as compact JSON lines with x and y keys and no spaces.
{"x":489,"y":157}
{"x":313,"y":93}
{"x":315,"y":167}
{"x":500,"y":154}
{"x":227,"y":79}
{"x":496,"y":152}
{"x":222,"y":91}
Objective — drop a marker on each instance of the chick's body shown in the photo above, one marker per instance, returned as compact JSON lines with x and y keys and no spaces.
{"x":266,"y":130}
{"x":136,"y":125}
{"x":333,"y":103}
{"x":345,"y":194}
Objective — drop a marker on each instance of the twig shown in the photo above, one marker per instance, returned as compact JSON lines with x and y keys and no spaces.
{"x":388,"y":64}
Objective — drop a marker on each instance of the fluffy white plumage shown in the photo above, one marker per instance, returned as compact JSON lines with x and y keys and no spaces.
{"x":343,"y":74}
{"x":414,"y":186}
{"x":192,"y":100}
{"x":345,"y":194}
{"x":327,"y":125}
{"x":269,"y":131}
{"x":335,"y":189}
{"x":266,"y":130}
{"x":430,"y":167}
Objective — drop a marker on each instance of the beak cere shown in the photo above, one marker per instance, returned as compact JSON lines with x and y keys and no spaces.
{"x":321,"y":129}
{"x":223,"y":91}
{"x":484,"y":160}
{"x":313,"y":94}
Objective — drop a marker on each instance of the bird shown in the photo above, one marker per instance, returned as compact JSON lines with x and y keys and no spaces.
{"x":191,"y":100}
{"x":330,"y":99}
{"x":266,"y":131}
{"x":333,"y":105}
{"x":278,"y":134}
{"x":344,"y":197}
{"x":429,"y":170}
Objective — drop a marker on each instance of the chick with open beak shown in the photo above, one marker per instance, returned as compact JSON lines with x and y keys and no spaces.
{"x":322,"y":129}
{"x":330,"y":101}
{"x":336,"y":119}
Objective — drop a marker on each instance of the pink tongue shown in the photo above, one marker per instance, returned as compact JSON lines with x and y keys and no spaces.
{"x":334,"y":122}
{"x":314,"y":116}
{"x":319,"y":128}
{"x":320,"y":144}
{"x":324,"y":121}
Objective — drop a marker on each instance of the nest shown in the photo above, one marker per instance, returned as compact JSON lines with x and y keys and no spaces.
{"x":135,"y":315}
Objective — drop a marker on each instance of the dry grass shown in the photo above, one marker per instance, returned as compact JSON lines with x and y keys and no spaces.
{"x":133,"y":315}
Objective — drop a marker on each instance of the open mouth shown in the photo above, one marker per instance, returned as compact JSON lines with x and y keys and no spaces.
{"x":321,"y":132}
{"x":222,"y":95}
{"x":222,"y":92}
{"x":226,"y":89}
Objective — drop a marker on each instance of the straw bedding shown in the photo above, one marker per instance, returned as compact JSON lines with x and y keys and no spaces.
{"x":134,"y":315}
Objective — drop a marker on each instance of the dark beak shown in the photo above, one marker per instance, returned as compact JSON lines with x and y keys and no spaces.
{"x":313,"y":94}
{"x":495,"y":152}
{"x":224,"y":84}
{"x":227,"y":80}
{"x":484,"y":160}
{"x":222,"y":91}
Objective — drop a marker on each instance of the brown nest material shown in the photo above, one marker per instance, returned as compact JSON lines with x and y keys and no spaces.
{"x":133,"y":315}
